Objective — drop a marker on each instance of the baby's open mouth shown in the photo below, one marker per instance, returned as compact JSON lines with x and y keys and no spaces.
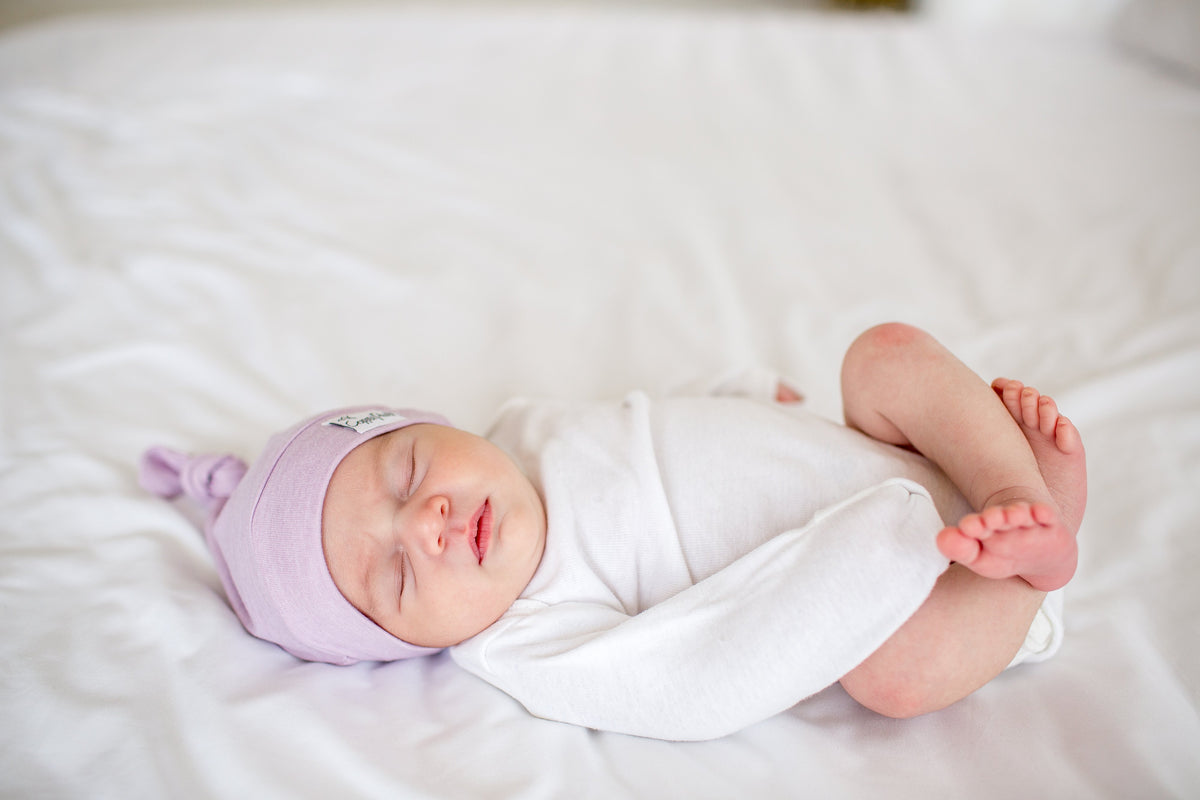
{"x":482,"y":534}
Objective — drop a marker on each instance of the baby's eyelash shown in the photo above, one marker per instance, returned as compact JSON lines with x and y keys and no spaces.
{"x":399,"y":574}
{"x":412,"y":472}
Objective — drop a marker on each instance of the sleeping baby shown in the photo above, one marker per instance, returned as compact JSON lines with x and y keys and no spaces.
{"x":677,"y":568}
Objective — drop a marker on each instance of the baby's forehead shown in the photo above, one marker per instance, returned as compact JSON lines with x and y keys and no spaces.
{"x":362,"y":458}
{"x":354,"y":480}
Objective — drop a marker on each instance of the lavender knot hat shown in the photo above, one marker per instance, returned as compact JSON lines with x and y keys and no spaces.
{"x":264,"y":530}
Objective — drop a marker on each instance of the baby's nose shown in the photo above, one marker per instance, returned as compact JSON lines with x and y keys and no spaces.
{"x":432,"y":524}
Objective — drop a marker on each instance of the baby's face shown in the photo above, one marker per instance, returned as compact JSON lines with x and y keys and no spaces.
{"x":431,"y":532}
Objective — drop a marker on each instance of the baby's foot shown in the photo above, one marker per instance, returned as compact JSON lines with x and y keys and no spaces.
{"x":1017,"y":532}
{"x":1014,"y":538}
{"x":1055,"y":443}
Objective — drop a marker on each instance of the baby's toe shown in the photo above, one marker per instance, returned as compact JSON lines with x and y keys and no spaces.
{"x":1066,"y":436}
{"x":1029,"y":406}
{"x":958,"y":547}
{"x":973,"y":526}
{"x":1010,"y":394}
{"x":1047,"y":415}
{"x":1042,"y":514}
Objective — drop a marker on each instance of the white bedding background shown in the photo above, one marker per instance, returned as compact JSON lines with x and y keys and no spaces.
{"x":212,"y":224}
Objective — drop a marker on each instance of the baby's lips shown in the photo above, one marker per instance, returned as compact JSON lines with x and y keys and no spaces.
{"x":483,"y":531}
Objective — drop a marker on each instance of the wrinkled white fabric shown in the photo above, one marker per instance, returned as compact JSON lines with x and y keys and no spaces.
{"x":215,"y":224}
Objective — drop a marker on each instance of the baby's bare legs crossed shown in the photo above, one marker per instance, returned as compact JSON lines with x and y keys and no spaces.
{"x":901,"y":386}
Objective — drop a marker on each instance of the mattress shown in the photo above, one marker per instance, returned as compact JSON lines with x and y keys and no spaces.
{"x":213,"y":224}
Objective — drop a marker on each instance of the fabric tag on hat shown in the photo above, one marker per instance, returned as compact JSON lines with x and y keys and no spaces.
{"x":365,"y":421}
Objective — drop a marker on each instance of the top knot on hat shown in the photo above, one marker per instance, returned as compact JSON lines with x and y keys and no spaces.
{"x":169,"y":473}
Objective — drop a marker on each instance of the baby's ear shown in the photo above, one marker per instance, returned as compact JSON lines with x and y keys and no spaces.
{"x":786,"y":394}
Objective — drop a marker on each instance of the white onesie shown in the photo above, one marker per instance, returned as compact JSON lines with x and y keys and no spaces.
{"x":709,"y":562}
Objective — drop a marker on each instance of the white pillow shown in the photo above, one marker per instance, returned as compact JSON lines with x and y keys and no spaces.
{"x":1166,"y":30}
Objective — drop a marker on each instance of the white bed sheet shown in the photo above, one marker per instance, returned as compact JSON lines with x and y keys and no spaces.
{"x":211,"y":225}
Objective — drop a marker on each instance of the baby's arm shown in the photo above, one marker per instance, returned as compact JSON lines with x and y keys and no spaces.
{"x":786,"y":394}
{"x":779,"y":624}
{"x":755,"y":383}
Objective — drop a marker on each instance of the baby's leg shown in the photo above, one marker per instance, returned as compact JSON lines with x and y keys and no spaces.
{"x":901,"y":386}
{"x":963,"y":635}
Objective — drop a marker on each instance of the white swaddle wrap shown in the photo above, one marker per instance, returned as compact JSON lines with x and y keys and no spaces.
{"x":710,"y":561}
